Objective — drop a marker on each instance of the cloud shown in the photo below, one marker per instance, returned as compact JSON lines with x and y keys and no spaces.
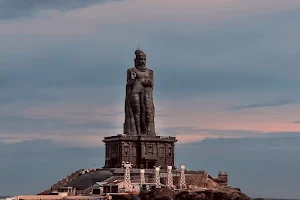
{"x":17,"y":123}
{"x":58,"y":92}
{"x":260,"y":105}
{"x":88,"y":20}
{"x":208,"y":81}
{"x":39,"y":158}
{"x":250,"y":162}
{"x":296,"y":122}
{"x":66,"y":122}
{"x":10,"y":9}
{"x":209,"y":61}
{"x":81,"y":125}
{"x":52,"y":118}
{"x":208,"y":132}
{"x":192,"y":134}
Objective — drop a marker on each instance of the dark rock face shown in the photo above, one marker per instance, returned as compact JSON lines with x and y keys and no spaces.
{"x":212,"y":195}
{"x":86,"y":180}
{"x":167,"y":194}
{"x":238,"y":189}
{"x":121,"y":197}
{"x":158,"y":194}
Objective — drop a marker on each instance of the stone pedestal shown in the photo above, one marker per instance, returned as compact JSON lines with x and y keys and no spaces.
{"x":143,"y":151}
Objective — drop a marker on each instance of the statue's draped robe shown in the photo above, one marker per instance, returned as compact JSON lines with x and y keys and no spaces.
{"x":147,"y":107}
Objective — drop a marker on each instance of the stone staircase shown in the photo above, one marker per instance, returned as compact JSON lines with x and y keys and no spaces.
{"x":63,"y":182}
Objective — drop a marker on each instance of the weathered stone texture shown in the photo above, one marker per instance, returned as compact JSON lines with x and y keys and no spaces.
{"x":141,"y":151}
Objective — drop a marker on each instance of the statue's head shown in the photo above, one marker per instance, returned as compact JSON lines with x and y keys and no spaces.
{"x":140,"y":59}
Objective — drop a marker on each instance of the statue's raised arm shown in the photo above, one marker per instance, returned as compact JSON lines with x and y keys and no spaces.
{"x":139,"y":107}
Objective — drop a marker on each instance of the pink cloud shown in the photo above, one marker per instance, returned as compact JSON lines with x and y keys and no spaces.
{"x":76,"y":113}
{"x":197,"y":115}
{"x":89,"y":137}
{"x":188,"y":138}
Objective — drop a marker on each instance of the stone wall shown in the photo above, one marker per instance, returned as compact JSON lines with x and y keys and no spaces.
{"x":140,"y":151}
{"x":222,"y":178}
{"x":198,"y":180}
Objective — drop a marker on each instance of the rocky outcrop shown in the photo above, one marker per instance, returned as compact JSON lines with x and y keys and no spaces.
{"x":82,"y":179}
{"x":212,"y":195}
{"x":204,"y":194}
{"x":157,"y":194}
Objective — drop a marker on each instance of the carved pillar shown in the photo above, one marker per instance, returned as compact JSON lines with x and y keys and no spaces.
{"x":142,"y":176}
{"x":157,"y":177}
{"x":127,"y":180}
{"x":170,"y":177}
{"x":182,"y":177}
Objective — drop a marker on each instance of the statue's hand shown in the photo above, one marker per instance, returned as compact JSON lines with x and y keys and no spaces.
{"x":148,"y":83}
{"x":133,"y":75}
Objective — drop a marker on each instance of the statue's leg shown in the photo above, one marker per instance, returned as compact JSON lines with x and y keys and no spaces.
{"x":149,"y":111}
{"x":136,"y":110}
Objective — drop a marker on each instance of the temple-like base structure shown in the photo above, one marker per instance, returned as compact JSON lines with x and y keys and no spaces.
{"x":143,"y":151}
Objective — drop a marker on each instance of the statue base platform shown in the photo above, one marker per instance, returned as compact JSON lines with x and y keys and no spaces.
{"x":143,"y":151}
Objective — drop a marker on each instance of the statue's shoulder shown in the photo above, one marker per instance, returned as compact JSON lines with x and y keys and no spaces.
{"x":150,"y":71}
{"x":131,"y":69}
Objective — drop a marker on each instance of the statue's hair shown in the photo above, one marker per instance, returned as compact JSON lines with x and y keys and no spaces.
{"x":139,"y":53}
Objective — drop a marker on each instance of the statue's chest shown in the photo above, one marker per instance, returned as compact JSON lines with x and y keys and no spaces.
{"x":142,"y":75}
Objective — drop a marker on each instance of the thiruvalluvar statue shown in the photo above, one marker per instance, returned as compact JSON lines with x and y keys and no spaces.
{"x":139,"y":106}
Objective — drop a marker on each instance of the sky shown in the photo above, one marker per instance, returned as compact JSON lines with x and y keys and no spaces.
{"x":226,"y":85}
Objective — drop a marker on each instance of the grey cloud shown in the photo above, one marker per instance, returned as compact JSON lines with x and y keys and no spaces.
{"x":239,"y":56}
{"x":227,"y":60}
{"x":296,"y":122}
{"x":100,"y":114}
{"x":253,"y":42}
{"x":34,"y":161}
{"x":209,"y":81}
{"x":26,"y":124}
{"x":281,"y":135}
{"x":259,"y":105}
{"x":248,"y":55}
{"x":10,"y":9}
{"x":161,"y":115}
{"x":44,"y":83}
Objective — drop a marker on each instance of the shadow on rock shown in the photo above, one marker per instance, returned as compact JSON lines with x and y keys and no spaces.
{"x":219,"y":194}
{"x":158,"y":194}
{"x":211,"y":195}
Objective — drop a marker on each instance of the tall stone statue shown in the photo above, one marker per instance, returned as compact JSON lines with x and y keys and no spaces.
{"x":139,"y":107}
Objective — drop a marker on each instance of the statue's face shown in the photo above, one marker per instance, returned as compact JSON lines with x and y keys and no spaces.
{"x":140,"y":61}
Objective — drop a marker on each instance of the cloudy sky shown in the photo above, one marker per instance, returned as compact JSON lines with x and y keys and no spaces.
{"x":226,"y":85}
